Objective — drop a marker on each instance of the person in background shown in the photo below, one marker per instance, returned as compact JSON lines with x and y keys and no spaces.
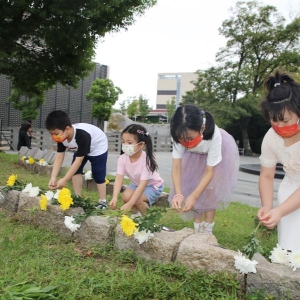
{"x":281,"y":143}
{"x":88,"y":142}
{"x":25,"y":135}
{"x":205,"y":166}
{"x":140,"y":166}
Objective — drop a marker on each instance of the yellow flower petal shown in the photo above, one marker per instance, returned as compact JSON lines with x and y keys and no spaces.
{"x":43,"y":202}
{"x":128,"y":226}
{"x":11,"y":180}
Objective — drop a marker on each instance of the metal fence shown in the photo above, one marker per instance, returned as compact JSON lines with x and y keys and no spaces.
{"x":43,"y":140}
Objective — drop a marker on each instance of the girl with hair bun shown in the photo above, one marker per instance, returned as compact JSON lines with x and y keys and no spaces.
{"x":205,"y":166}
{"x":281,"y":143}
{"x":140,"y":166}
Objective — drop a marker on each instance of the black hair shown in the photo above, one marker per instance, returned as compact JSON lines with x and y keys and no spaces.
{"x":283,"y":93}
{"x":190,"y":117}
{"x":57,"y":119}
{"x":143,"y":136}
{"x":29,"y":121}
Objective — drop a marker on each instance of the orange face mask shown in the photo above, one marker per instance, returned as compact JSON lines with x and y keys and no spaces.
{"x":286,"y":131}
{"x":192,"y":143}
{"x":58,"y":138}
{"x":197,"y":140}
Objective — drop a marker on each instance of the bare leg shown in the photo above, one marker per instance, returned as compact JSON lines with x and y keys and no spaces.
{"x":101,"y":187}
{"x":77,"y":184}
{"x":210,"y":216}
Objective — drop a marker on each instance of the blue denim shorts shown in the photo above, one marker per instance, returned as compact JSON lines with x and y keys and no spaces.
{"x":151,"y":192}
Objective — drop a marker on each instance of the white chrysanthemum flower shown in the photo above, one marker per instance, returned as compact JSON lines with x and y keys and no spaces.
{"x":43,"y":163}
{"x":56,"y":194}
{"x":69,"y":222}
{"x":27,"y":188}
{"x":88,"y":175}
{"x":49,"y":195}
{"x":34,"y":192}
{"x":244,"y":265}
{"x":27,"y":161}
{"x":294,"y":260}
{"x":279,"y":255}
{"x":143,"y":236}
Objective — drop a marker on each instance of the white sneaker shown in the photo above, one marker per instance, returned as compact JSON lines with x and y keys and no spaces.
{"x":101,"y":204}
{"x":208,"y":227}
{"x":138,"y":214}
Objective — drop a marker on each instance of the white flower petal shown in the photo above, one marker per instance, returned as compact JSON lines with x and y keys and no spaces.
{"x":70,"y":225}
{"x":34,"y":192}
{"x":143,"y":236}
{"x":294,"y":260}
{"x":244,"y":265}
{"x":279,"y":255}
{"x":56,"y":194}
{"x":49,"y":195}
{"x":27,"y":188}
{"x":88,"y":175}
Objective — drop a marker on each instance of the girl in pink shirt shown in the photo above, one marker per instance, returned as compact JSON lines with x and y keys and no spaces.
{"x":140,"y":166}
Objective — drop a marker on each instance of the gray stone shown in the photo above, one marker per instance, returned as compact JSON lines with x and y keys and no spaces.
{"x":39,"y":154}
{"x":49,"y":156}
{"x":11,"y":201}
{"x":162,"y":200}
{"x":277,"y":279}
{"x":201,"y":251}
{"x":95,"y":230}
{"x":163,"y":246}
{"x":52,"y":219}
{"x":23,"y":151}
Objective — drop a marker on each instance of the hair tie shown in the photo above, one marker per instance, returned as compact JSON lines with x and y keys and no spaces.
{"x":276,"y":84}
{"x":142,"y":132}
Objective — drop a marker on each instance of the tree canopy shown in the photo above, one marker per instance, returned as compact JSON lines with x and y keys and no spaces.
{"x":53,"y":41}
{"x":258,"y":41}
{"x":104,"y":95}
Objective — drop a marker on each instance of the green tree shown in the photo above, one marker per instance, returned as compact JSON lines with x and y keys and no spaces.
{"x":171,"y":107}
{"x":144,"y":108}
{"x":123,"y":107}
{"x":104,"y":95}
{"x":133,"y":109}
{"x":28,"y":104}
{"x":258,"y":42}
{"x":54,"y":41}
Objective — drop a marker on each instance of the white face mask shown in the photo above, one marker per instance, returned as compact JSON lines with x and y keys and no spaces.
{"x":129,"y":149}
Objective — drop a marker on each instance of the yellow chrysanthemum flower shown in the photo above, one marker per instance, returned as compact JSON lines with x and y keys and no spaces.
{"x":43,"y":202}
{"x":31,"y":160}
{"x":23,"y":158}
{"x":65,"y":199}
{"x":128,"y":226}
{"x":11,"y":180}
{"x":41,"y":160}
{"x":106,"y":181}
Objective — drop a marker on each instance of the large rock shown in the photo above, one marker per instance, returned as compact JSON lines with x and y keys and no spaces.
{"x":10,"y":201}
{"x":162,"y":247}
{"x":201,"y":251}
{"x":52,"y":219}
{"x":95,"y":230}
{"x":277,"y":279}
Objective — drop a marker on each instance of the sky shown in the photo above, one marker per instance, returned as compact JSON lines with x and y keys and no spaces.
{"x":172,"y":36}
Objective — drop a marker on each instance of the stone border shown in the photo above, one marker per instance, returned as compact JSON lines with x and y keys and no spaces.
{"x":196,"y":251}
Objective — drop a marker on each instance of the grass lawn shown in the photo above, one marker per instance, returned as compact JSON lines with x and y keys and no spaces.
{"x":29,"y":255}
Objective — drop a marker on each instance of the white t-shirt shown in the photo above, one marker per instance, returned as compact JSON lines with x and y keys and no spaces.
{"x":87,"y":140}
{"x":212,"y":147}
{"x":138,"y":170}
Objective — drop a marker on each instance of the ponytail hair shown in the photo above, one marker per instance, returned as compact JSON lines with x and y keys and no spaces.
{"x":143,"y":136}
{"x":283,"y":93}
